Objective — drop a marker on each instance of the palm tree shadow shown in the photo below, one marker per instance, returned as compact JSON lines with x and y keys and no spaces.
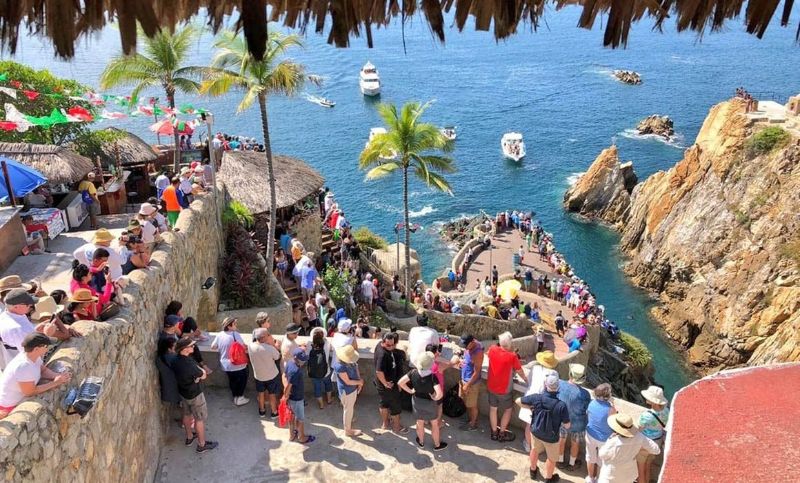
{"x":402,"y":448}
{"x":328,"y":448}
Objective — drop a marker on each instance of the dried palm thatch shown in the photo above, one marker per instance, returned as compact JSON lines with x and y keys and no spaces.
{"x":57,"y":164}
{"x":245,"y":175}
{"x":129,"y":148}
{"x":64,"y":21}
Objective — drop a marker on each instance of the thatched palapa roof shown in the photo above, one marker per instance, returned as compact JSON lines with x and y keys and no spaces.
{"x":245,"y":175}
{"x":57,"y":164}
{"x":65,"y":21}
{"x":131,"y":149}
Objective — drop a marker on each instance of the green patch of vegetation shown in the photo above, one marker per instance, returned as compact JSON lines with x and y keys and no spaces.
{"x":766,"y":140}
{"x":742,"y":218}
{"x":791,"y":250}
{"x":758,"y":201}
{"x":337,"y":285}
{"x":90,"y":143}
{"x":637,"y":354}
{"x":366,"y":238}
{"x":237,"y":213}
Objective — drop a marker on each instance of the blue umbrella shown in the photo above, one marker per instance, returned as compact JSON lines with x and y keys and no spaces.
{"x":23,"y":179}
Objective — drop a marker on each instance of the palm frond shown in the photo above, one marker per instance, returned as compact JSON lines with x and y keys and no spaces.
{"x":434,"y":180}
{"x":383,"y":170}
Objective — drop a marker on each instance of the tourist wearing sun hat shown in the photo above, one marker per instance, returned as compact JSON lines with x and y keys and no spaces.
{"x":145,"y":219}
{"x":11,"y":282}
{"x":652,"y":424}
{"x":618,"y":453}
{"x":545,"y":434}
{"x":345,"y":335}
{"x":545,"y":364}
{"x":349,"y":383}
{"x":425,"y":389}
{"x":577,"y":400}
{"x":102,"y":239}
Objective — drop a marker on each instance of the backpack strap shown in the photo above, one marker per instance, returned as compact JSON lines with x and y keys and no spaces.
{"x":657,"y":418}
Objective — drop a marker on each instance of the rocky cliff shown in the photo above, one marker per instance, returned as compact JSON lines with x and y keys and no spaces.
{"x":717,"y":237}
{"x":603,"y":192}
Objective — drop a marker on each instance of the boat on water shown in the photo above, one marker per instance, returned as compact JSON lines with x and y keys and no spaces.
{"x":513,"y":146}
{"x":322,"y":101}
{"x":374,"y":132}
{"x":449,"y":132}
{"x":369,"y":81}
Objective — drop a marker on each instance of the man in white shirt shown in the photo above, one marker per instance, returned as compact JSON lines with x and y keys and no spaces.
{"x":263,"y":357}
{"x":102,"y":238}
{"x":162,"y":181}
{"x":14,"y":322}
{"x":368,"y":290}
{"x":419,"y":337}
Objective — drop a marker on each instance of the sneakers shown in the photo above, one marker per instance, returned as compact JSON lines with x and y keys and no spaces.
{"x":189,"y":441}
{"x":526,"y":446}
{"x":534,"y":473}
{"x":273,"y":415}
{"x":419,"y":443}
{"x":553,"y":478}
{"x":207,"y":447}
{"x":506,"y":436}
{"x":589,"y":479}
{"x":495,"y":434}
{"x":262,"y":414}
{"x":468,"y":427}
{"x":442,"y":445}
{"x":240,"y":401}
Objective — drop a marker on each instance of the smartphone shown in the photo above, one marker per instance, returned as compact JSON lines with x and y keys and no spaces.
{"x":105,"y":270}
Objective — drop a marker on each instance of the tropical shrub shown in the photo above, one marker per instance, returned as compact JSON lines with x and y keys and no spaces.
{"x":338,"y":286}
{"x":637,"y":354}
{"x":243,"y":281}
{"x":766,"y":140}
{"x":366,"y":238}
{"x":237,"y":213}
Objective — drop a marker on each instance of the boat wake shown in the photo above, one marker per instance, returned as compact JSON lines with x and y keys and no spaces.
{"x":426,"y":210}
{"x":676,"y":141}
{"x":574,"y":177}
{"x":603,"y":71}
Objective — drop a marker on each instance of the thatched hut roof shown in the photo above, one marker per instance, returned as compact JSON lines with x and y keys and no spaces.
{"x":57,"y":164}
{"x":352,"y":18}
{"x":131,"y":149}
{"x":245,"y":175}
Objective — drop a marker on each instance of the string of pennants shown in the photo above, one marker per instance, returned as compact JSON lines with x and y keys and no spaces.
{"x":20,"y":122}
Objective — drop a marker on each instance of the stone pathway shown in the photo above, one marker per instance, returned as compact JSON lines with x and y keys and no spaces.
{"x":252,"y":449}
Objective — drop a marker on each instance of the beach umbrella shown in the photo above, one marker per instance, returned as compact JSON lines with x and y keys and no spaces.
{"x":21,"y":179}
{"x":508,"y":289}
{"x":166,"y":127}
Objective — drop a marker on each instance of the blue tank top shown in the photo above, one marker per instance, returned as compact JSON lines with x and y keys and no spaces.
{"x":468,"y":368}
{"x":598,"y":427}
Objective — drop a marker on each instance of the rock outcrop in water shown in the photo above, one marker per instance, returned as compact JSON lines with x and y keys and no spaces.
{"x":658,"y":125}
{"x":603,"y":192}
{"x":628,"y":77}
{"x":717,"y":237}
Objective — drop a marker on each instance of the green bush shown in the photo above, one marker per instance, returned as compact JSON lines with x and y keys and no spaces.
{"x":637,"y":353}
{"x":237,"y":213}
{"x":367,"y":238}
{"x":337,"y":285}
{"x":767,"y":139}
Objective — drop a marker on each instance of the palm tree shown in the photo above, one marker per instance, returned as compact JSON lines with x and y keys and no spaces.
{"x":412,"y":145}
{"x":161,"y":64}
{"x":234,"y":67}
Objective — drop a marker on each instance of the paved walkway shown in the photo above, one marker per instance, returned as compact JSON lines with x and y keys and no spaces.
{"x":252,"y":449}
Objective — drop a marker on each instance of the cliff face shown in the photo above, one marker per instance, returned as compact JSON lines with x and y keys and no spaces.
{"x":603,"y":192}
{"x":718,"y":238}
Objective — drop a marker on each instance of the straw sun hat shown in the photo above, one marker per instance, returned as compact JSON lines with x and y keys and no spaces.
{"x":11,"y":282}
{"x":102,"y":235}
{"x":45,"y":308}
{"x":347,"y":354}
{"x":622,"y":424}
{"x":547,"y":359}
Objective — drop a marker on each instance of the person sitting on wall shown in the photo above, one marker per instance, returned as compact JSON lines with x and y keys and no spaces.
{"x":36,"y":236}
{"x":134,"y":254}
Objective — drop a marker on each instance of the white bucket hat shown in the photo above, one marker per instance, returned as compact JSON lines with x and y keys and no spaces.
{"x":655,"y":395}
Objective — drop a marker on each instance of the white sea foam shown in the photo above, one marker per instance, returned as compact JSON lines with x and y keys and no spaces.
{"x":603,"y":71}
{"x":574,"y":177}
{"x":426,"y":210}
{"x":675,"y":141}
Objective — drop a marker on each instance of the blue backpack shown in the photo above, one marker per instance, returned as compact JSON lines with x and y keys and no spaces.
{"x":545,"y":425}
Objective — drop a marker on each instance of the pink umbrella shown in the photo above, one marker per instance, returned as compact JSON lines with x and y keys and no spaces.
{"x":166,"y":127}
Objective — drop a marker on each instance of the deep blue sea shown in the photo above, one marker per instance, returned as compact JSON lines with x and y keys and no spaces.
{"x":554,"y":86}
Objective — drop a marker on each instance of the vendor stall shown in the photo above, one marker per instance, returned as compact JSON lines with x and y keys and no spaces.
{"x":136,"y":160}
{"x":53,"y":218}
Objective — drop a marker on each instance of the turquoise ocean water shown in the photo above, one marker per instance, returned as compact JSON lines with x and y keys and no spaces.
{"x":554,"y":86}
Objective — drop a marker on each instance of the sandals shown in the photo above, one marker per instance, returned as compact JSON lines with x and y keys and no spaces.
{"x":402,"y":430}
{"x":419,"y":443}
{"x":354,"y":433}
{"x":294,"y":436}
{"x":309,"y":439}
{"x":506,"y":436}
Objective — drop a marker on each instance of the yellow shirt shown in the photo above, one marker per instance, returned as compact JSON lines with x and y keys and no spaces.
{"x":492,"y":311}
{"x":87,"y":185}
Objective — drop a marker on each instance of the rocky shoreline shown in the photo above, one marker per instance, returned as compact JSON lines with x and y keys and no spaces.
{"x":715,"y":237}
{"x":628,"y":77}
{"x":459,"y":231}
{"x":656,"y":125}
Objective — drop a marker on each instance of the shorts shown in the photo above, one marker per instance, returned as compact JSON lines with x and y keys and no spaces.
{"x":94,"y":208}
{"x":195,"y":407}
{"x":298,"y":408}
{"x":389,"y":399}
{"x":551,"y":449}
{"x":501,"y":401}
{"x":574,"y":436}
{"x":424,"y":409}
{"x":322,"y":384}
{"x":470,"y":396}
{"x":642,"y":456}
{"x":593,"y":450}
{"x":272,"y":386}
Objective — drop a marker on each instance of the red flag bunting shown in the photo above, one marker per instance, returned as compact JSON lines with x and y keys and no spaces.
{"x":8,"y":125}
{"x":80,"y":113}
{"x":31,"y":95}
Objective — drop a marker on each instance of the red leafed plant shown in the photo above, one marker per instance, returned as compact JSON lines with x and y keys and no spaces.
{"x":243,"y":282}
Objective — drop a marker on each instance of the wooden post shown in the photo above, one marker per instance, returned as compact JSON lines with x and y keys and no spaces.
{"x":10,"y":189}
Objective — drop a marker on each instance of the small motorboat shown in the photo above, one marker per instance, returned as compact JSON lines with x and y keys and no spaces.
{"x":374,"y":132}
{"x":369,"y":81}
{"x":513,"y":146}
{"x":449,"y":132}
{"x":322,"y":101}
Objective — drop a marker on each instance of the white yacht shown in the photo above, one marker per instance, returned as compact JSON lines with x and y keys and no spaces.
{"x":322,"y":101}
{"x":449,"y":132}
{"x":513,"y":146}
{"x":369,"y":81}
{"x":374,"y":132}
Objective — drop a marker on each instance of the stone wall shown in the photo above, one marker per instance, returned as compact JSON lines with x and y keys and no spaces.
{"x":121,"y":437}
{"x":308,"y":230}
{"x":482,"y":327}
{"x":280,"y":313}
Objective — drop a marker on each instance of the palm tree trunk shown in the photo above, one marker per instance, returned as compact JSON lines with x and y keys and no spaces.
{"x":408,"y":237}
{"x":176,"y":160}
{"x":262,"y":104}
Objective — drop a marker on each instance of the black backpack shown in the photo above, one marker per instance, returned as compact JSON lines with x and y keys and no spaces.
{"x":453,"y":405}
{"x":544,"y":425}
{"x":317,"y":364}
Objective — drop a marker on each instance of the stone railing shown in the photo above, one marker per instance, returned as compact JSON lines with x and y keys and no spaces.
{"x":121,"y":437}
{"x":480,"y":326}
